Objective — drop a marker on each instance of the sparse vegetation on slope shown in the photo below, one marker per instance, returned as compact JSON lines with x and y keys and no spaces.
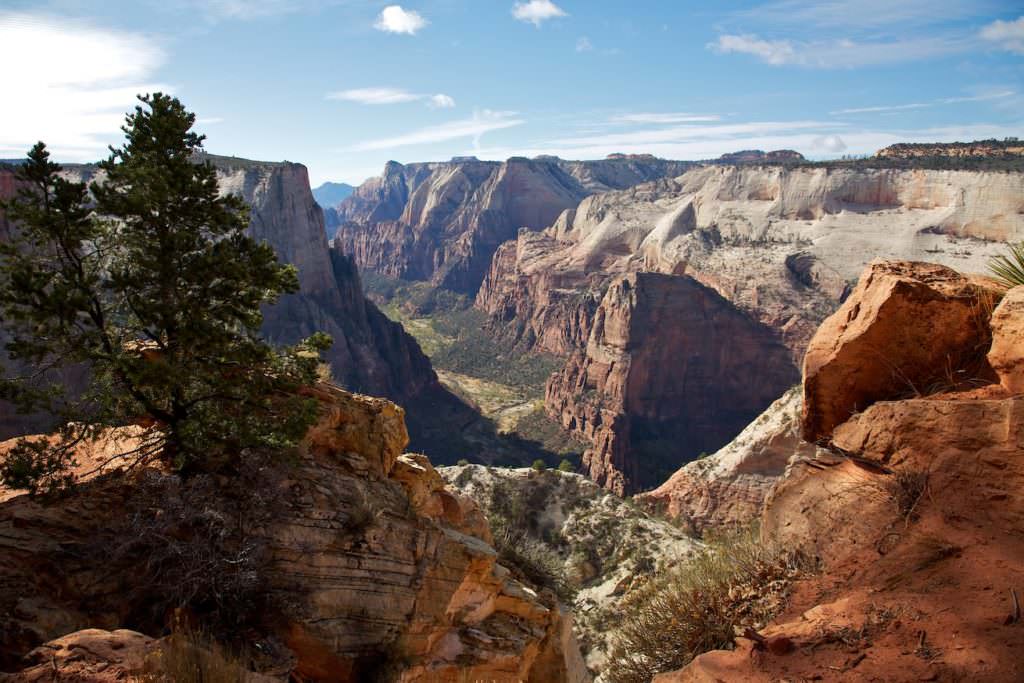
{"x":559,"y":530}
{"x":503,"y":384}
{"x":736,"y":583}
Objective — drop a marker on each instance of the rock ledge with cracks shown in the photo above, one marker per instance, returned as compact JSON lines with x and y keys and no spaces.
{"x":370,"y":560}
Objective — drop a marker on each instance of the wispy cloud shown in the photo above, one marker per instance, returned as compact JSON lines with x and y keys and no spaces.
{"x":537,"y":12}
{"x":815,"y":139}
{"x":440,"y":101}
{"x":583,"y":44}
{"x":381,"y":96}
{"x":854,"y":15}
{"x":396,"y":19}
{"x":246,"y":10}
{"x":1008,"y":35}
{"x":648,"y":118}
{"x":924,"y":105}
{"x":73,"y":98}
{"x":840,"y":52}
{"x":482,"y":122}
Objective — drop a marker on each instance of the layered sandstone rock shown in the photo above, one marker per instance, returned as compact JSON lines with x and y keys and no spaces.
{"x":906,"y":329}
{"x":370,"y":564}
{"x":783,"y":244}
{"x":442,"y":222}
{"x":729,"y":487}
{"x":670,"y":369}
{"x":915,"y":518}
{"x":89,"y":656}
{"x":1007,"y":353}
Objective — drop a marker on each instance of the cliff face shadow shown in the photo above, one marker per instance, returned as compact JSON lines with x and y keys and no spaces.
{"x":448,"y":429}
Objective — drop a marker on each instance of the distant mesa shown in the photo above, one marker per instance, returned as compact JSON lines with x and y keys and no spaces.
{"x":464,"y":159}
{"x":1007,"y":147}
{"x":618,"y":156}
{"x":756,"y":156}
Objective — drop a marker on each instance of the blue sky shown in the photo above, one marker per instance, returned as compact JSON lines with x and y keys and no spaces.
{"x":345,"y":85}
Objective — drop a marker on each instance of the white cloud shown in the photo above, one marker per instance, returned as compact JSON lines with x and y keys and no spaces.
{"x":1008,"y":35}
{"x":708,"y":142}
{"x":996,"y":95}
{"x":866,"y":14}
{"x":73,"y":98}
{"x":829,"y":143}
{"x":395,"y":19}
{"x":665,"y":118}
{"x":378,"y":96}
{"x":841,"y":52}
{"x":211,"y":121}
{"x":440,"y":101}
{"x":583,"y":44}
{"x":881,"y":108}
{"x":375,"y":96}
{"x":482,"y":122}
{"x":537,"y":11}
{"x":770,"y":51}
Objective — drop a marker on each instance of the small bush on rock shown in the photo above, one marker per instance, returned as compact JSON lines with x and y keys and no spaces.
{"x":1009,"y":268}
{"x":736,"y":583}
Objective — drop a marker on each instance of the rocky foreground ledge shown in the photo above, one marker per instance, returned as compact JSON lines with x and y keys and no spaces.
{"x":362,"y":560}
{"x":912,"y":502}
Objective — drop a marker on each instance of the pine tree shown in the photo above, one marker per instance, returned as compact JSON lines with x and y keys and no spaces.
{"x":154,"y":286}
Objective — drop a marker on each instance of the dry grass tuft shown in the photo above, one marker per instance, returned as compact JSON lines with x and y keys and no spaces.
{"x":737,"y":583}
{"x":907,"y":488}
{"x":190,"y":656}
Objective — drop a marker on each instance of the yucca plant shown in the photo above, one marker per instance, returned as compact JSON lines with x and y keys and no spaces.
{"x":1008,"y":268}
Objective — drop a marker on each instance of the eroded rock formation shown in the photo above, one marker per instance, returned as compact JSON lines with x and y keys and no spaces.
{"x":728,"y":488}
{"x":442,"y":222}
{"x":913,"y":511}
{"x":606,"y":547}
{"x":907,"y":329}
{"x":785,"y":245}
{"x":670,"y":370}
{"x":369,"y":564}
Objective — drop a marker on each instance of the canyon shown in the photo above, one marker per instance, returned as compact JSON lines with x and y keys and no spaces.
{"x":783,"y":244}
{"x":441,"y":222}
{"x":778,"y":238}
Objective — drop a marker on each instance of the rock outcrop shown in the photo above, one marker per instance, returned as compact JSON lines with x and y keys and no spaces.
{"x":670,"y":370}
{"x":915,"y":516}
{"x":370,"y":353}
{"x":606,"y":546}
{"x":88,"y":656}
{"x":369,"y":565}
{"x":906,"y":329}
{"x":442,"y":222}
{"x":1006,"y":355}
{"x":728,"y":488}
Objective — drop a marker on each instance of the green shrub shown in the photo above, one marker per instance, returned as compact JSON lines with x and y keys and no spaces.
{"x":539,"y":465}
{"x":461,"y":462}
{"x":566,"y":466}
{"x":736,"y":583}
{"x":1008,"y":268}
